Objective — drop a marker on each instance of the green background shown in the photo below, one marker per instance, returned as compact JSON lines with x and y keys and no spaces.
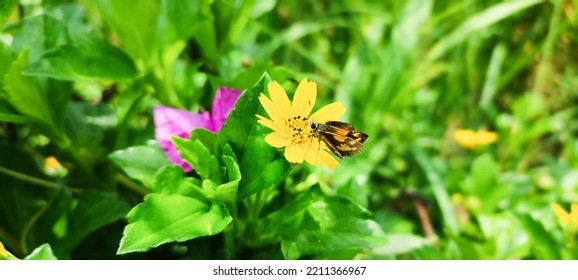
{"x":79,"y":79}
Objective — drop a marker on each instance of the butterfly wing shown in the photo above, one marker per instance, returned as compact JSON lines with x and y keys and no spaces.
{"x":342,"y":138}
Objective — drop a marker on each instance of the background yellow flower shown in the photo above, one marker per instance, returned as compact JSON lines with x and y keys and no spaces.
{"x":565,"y":218}
{"x":470,"y":139}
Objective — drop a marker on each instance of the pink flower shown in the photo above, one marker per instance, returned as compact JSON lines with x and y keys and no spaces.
{"x":174,"y":122}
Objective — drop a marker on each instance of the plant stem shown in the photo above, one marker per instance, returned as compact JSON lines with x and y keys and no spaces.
{"x":131,"y":185}
{"x":229,"y":235}
{"x":30,"y":179}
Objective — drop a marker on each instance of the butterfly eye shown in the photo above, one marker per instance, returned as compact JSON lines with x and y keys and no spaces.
{"x":313,"y":125}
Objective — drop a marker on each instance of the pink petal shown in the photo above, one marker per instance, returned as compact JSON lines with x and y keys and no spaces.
{"x":223,"y":103}
{"x":174,"y":122}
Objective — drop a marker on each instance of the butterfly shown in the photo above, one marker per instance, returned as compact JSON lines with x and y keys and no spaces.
{"x":341,"y":138}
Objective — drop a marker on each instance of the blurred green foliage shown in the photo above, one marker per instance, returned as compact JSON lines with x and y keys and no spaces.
{"x":78,"y":80}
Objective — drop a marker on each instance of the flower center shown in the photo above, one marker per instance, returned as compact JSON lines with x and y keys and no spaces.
{"x":300,"y":129}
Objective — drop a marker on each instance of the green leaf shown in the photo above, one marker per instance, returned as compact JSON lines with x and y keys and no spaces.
{"x":505,"y":237}
{"x":285,"y":221}
{"x":94,"y":210}
{"x":315,"y":223}
{"x":428,"y":252}
{"x":463,"y":248}
{"x":50,"y":227}
{"x":262,"y":7}
{"x":542,"y":241}
{"x":180,"y":20}
{"x":480,"y":21}
{"x":439,"y":189}
{"x":209,"y":188}
{"x":87,"y":58}
{"x":206,"y":38}
{"x":86,"y":125}
{"x":195,"y":153}
{"x":167,"y":218}
{"x":242,"y":120}
{"x":73,"y":16}
{"x":43,"y":252}
{"x":338,"y":224}
{"x":528,"y":107}
{"x":400,"y":244}
{"x":483,"y":183}
{"x":233,"y":172}
{"x":406,"y":34}
{"x":483,"y":175}
{"x":262,"y":166}
{"x":141,"y":162}
{"x":26,"y":96}
{"x":11,"y":118}
{"x":226,"y":192}
{"x":246,"y":77}
{"x":22,"y":203}
{"x":135,"y":23}
{"x":179,"y":211}
{"x":393,"y":222}
{"x":6,"y":7}
{"x":228,"y":151}
{"x":208,"y":138}
{"x":7,"y":114}
{"x":171,"y":180}
{"x":347,"y":234}
{"x":6,"y":58}
{"x":493,"y":75}
{"x":40,"y":34}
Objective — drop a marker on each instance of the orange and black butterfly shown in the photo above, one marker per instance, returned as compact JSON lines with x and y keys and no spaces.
{"x":341,"y":138}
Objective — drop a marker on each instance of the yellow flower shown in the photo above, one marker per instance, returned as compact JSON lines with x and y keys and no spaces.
{"x":51,"y":163}
{"x":291,"y":123}
{"x":3,"y":251}
{"x":565,"y":218}
{"x":53,"y":167}
{"x":473,"y":139}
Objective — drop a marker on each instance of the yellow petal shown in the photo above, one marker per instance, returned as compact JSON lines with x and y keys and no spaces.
{"x":3,"y":251}
{"x":312,"y":151}
{"x":277,"y":139}
{"x":304,"y":98}
{"x":316,"y":156}
{"x":272,"y":110}
{"x":294,"y":153}
{"x":473,"y":139}
{"x":330,"y":112}
{"x":280,"y":99}
{"x":562,"y":215}
{"x":465,"y":138}
{"x":269,"y":123}
{"x":51,"y":162}
{"x":327,"y":160}
{"x":486,"y":137}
